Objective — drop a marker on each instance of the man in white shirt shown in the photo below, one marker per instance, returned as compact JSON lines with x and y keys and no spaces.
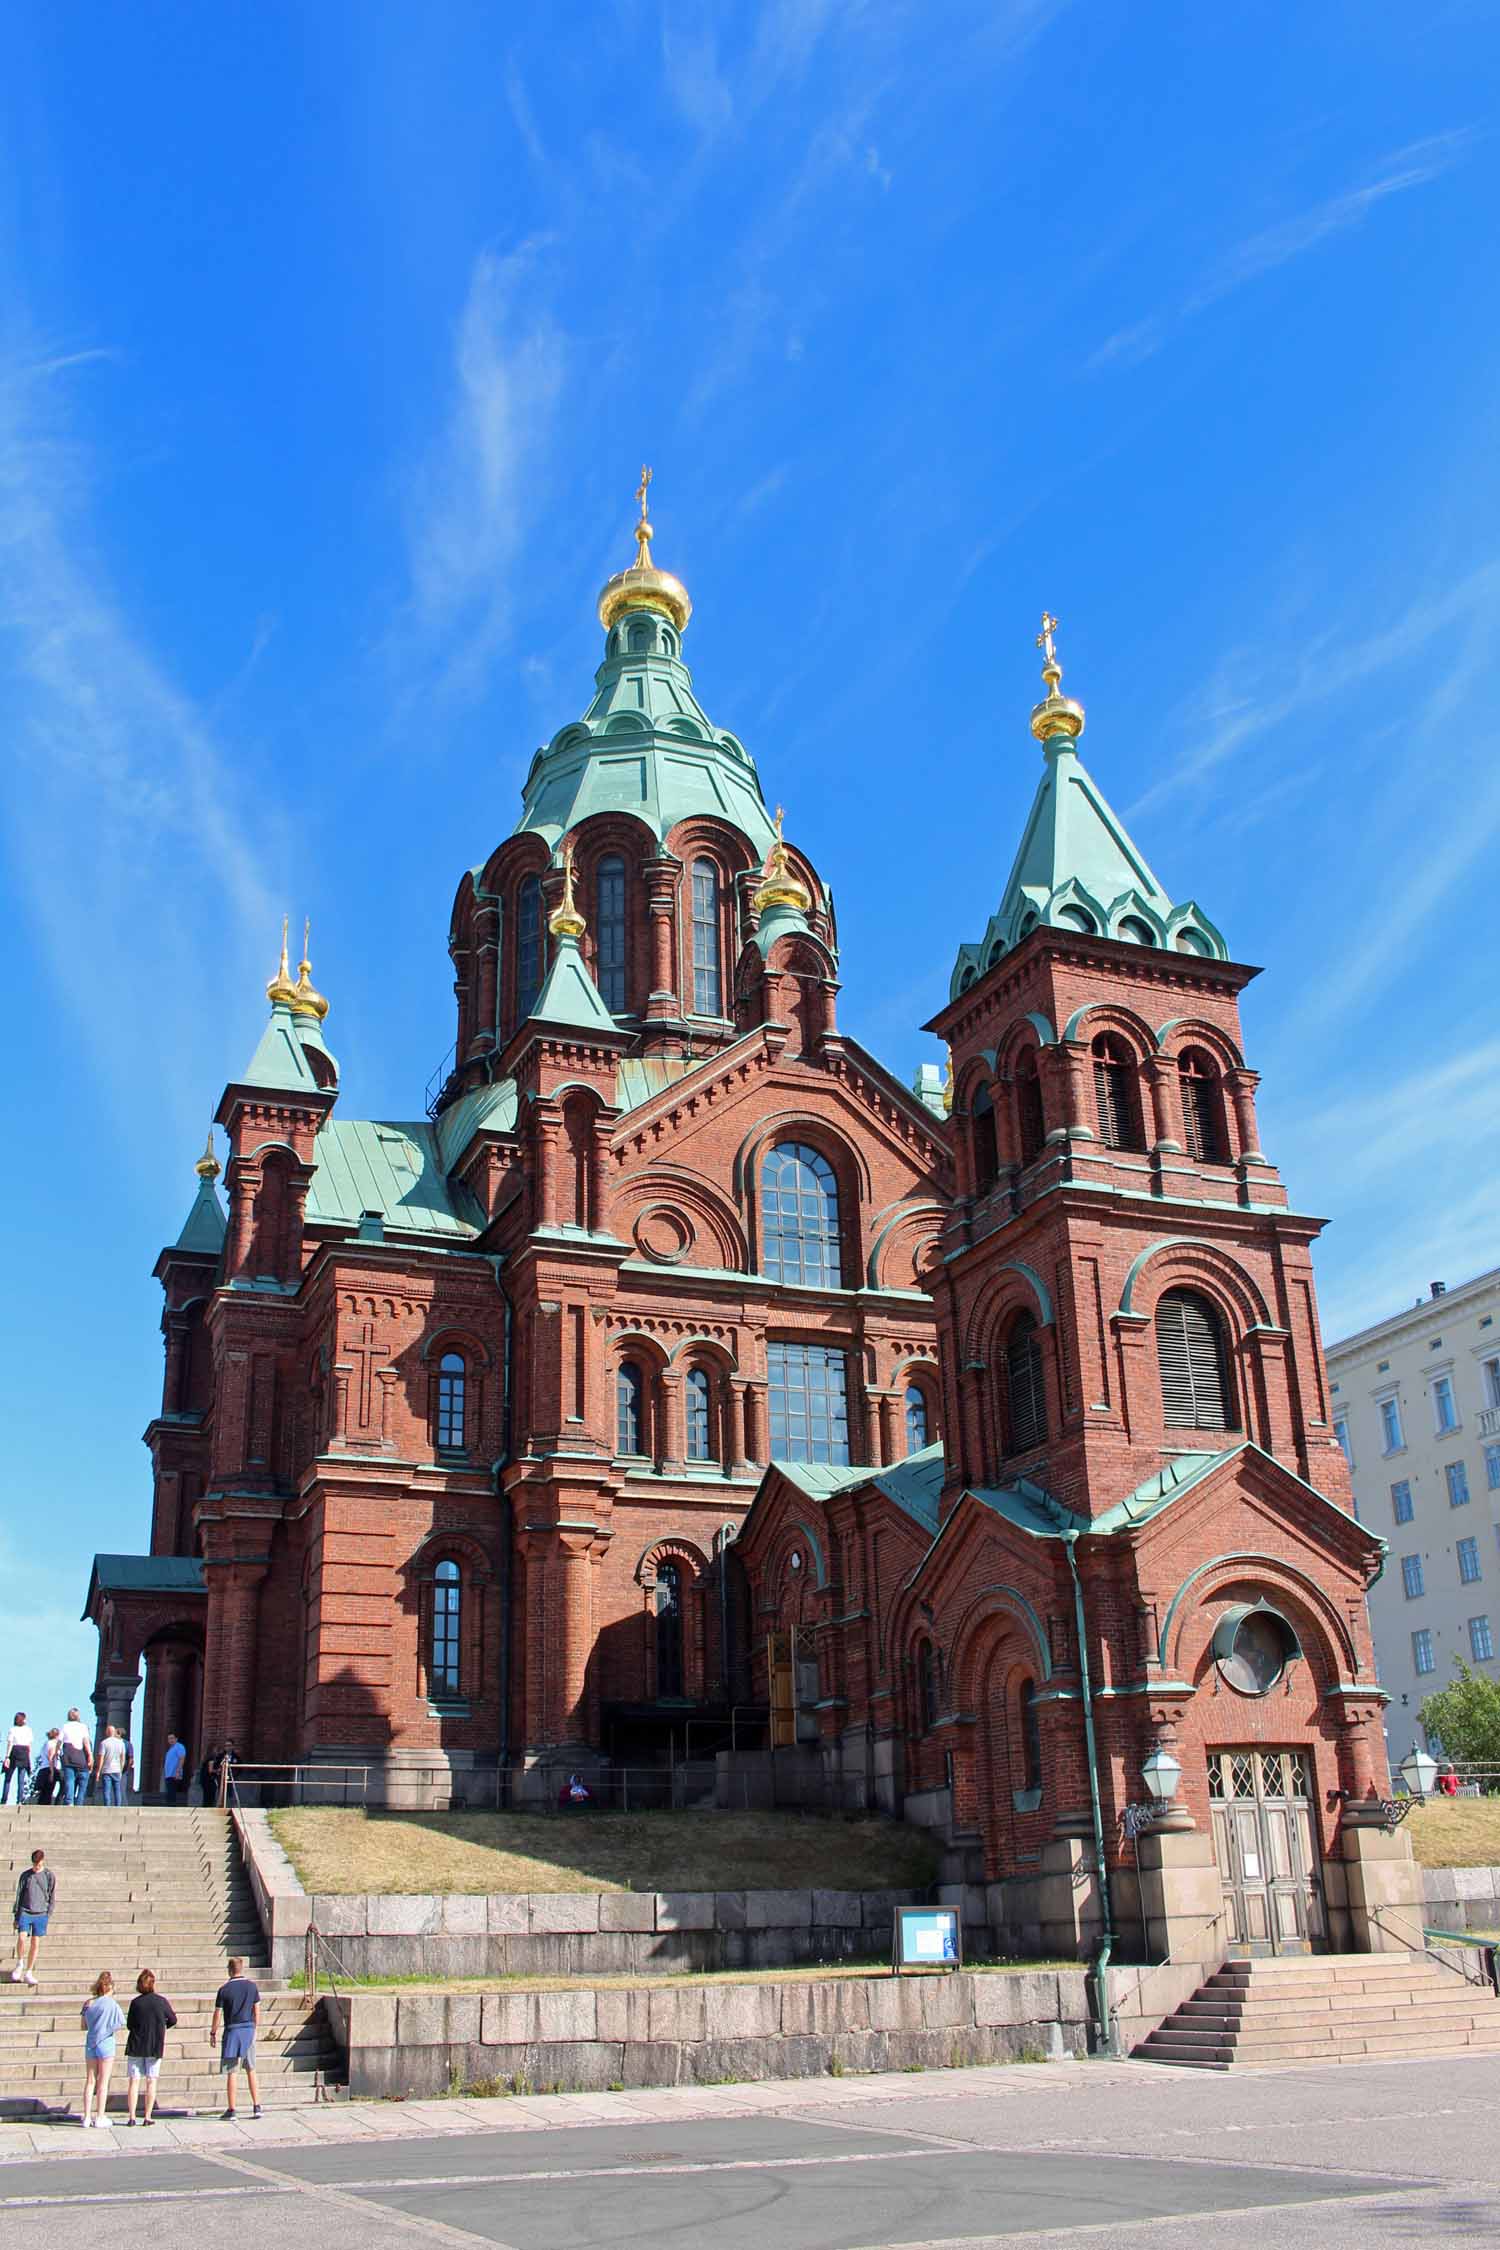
{"x":109,"y":1767}
{"x":77,"y":1759}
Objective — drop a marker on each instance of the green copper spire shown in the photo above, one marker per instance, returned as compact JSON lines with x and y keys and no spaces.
{"x":279,"y":1059}
{"x":645,"y":745}
{"x":569,"y":995}
{"x":1076,"y":867}
{"x":204,"y":1228}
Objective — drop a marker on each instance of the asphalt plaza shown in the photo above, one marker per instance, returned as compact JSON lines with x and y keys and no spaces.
{"x":1100,"y":2152}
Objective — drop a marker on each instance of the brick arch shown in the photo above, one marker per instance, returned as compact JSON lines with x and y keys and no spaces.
{"x":699,"y":1200}
{"x":795,"y":1532}
{"x":1179,"y":1032}
{"x":452,"y":1337}
{"x":1305,"y":1599}
{"x":1110,"y":1015}
{"x":845,"y":1155}
{"x":672,"y":1548}
{"x":1007,"y":1287}
{"x":973,"y":1641}
{"x":694,"y":1348}
{"x":1193,"y":1261}
{"x":463,"y":1547}
{"x":1031,"y":1030}
{"x":906,"y":1217}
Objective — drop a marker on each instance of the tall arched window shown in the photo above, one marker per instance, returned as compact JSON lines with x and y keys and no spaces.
{"x":698,"y":1402}
{"x":708,"y":995}
{"x":1190,"y":1353}
{"x":927,"y":1686}
{"x":986,"y":1147}
{"x":609,"y":932}
{"x":668,"y":1629}
{"x":916,"y":1418}
{"x":1031,"y":1737}
{"x":444,"y":1670}
{"x":799,"y":1211}
{"x":528,"y":945}
{"x":1025,"y":1386}
{"x":1202,"y":1107}
{"x":1117,"y":1094}
{"x":452,"y":1384}
{"x":630,"y":1399}
{"x":1031,"y":1123}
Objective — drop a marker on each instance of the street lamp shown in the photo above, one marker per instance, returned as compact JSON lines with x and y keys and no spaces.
{"x":1161,"y":1774}
{"x":1418,"y":1769}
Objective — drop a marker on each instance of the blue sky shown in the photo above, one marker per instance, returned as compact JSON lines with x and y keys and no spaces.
{"x":331,"y":342}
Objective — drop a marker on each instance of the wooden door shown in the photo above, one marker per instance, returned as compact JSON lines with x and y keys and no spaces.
{"x":1265,"y":1841}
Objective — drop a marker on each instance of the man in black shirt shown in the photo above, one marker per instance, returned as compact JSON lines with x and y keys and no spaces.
{"x":149,"y":2020}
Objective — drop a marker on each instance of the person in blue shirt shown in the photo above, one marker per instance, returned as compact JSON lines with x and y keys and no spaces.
{"x":174,"y":1770}
{"x":101,"y":2017}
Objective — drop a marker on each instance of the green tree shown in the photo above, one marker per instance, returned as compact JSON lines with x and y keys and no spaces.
{"x":1465,"y":1718}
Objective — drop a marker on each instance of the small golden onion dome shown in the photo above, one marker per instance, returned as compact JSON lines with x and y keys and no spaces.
{"x":280,"y":990}
{"x":1056,"y":713}
{"x":948,"y":1086}
{"x":207,"y":1166}
{"x":306,"y":999}
{"x":780,"y":884}
{"x":643,"y":586}
{"x":565,"y":921}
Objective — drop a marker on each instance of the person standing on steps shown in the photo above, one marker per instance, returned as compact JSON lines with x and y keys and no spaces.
{"x":17,"y":1761}
{"x":77,"y":1759}
{"x":148,"y":2020}
{"x":36,"y":1896}
{"x":238,"y":2003}
{"x":109,"y":1766}
{"x":48,"y":1778}
{"x":174,"y":1771}
{"x":101,"y":2017}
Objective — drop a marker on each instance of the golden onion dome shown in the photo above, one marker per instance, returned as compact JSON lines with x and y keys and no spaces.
{"x":207,"y":1166}
{"x":643,"y":586}
{"x":1056,"y":713}
{"x":306,"y":999}
{"x":280,"y":990}
{"x":780,"y":884}
{"x":565,"y":921}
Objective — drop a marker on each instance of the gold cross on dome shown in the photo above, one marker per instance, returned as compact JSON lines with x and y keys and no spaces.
{"x":1044,"y":637}
{"x":640,"y":491}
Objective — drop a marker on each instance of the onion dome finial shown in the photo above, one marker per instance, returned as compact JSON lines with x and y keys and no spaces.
{"x":1056,"y":714}
{"x":207,"y":1166}
{"x":780,"y":884}
{"x":280,"y":990}
{"x":643,"y":586}
{"x":565,"y":920}
{"x":306,"y":1001}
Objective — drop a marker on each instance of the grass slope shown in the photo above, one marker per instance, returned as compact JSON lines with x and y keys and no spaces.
{"x":339,"y":1849}
{"x":1456,"y":1832}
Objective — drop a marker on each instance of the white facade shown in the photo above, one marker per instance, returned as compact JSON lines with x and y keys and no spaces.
{"x":1416,"y":1404}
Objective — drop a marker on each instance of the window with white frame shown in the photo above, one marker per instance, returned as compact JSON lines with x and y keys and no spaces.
{"x":1401,"y":1501}
{"x":1341,"y":1432}
{"x":1422,"y":1657}
{"x":1456,"y":1474}
{"x":1492,"y":1382}
{"x":1469,"y":1572}
{"x":1411,"y":1576}
{"x":1481,"y":1640}
{"x":1492,"y":1467}
{"x":1390,"y":1425}
{"x":1444,"y":1406}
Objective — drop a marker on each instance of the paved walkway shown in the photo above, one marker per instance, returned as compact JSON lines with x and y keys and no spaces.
{"x":1134,"y":2153}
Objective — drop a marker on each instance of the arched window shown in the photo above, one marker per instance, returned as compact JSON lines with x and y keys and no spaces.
{"x":1024,"y":1385}
{"x":1135,"y":931}
{"x":927,"y":1686}
{"x":630,"y":1400}
{"x":1117,"y":1093}
{"x":698,"y":1402}
{"x":668,"y":1629}
{"x":1077,"y":918}
{"x":609,"y":932}
{"x":1189,"y":940}
{"x":640,"y":638}
{"x":708,"y":994}
{"x":916,"y":1418}
{"x":1031,"y":1738}
{"x":1195,"y":1390}
{"x":1031,"y":1122}
{"x":452,"y":1383}
{"x":443,"y":1654}
{"x":799,"y":1208}
{"x":528,"y":946}
{"x":986,"y":1147}
{"x":1202,"y":1107}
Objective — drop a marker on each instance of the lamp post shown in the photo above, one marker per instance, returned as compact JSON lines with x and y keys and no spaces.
{"x":1418,"y":1769}
{"x":1161,"y":1774}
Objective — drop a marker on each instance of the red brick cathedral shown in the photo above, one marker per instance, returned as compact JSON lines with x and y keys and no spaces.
{"x":682,"y":1379}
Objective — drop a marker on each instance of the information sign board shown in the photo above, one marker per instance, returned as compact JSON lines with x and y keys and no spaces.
{"x":926,"y":1937}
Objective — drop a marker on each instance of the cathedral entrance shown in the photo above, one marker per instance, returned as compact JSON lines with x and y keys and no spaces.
{"x":1266,"y":1846}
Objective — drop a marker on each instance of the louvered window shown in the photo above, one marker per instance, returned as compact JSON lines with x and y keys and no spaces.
{"x":1117,"y":1094}
{"x":1028,"y":1397}
{"x":986,"y":1150}
{"x":609,"y":932}
{"x":1202,"y":1108}
{"x":1190,"y":1353}
{"x":1030,"y":1119}
{"x":528,"y":946}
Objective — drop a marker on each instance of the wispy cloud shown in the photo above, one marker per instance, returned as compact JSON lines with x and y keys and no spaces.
{"x":1414,"y":166}
{"x":694,"y":80}
{"x":471,"y":498}
{"x":104,"y":746}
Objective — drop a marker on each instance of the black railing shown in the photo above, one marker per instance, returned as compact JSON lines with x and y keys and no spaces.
{"x":439,"y":1080}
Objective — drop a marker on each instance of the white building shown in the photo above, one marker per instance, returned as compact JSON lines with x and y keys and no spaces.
{"x":1416,"y":1404}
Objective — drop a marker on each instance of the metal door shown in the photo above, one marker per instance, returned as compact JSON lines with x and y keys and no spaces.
{"x":1265,"y":1841}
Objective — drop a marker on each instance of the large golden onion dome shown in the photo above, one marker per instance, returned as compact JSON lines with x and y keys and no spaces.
{"x":643,"y":586}
{"x":306,"y":1000}
{"x":780,"y":884}
{"x":1056,"y":714}
{"x":280,"y":990}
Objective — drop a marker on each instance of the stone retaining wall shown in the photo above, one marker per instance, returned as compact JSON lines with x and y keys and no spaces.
{"x":1462,"y":1898}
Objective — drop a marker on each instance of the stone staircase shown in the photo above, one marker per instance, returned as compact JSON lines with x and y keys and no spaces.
{"x":1327,"y":2008}
{"x":144,"y":1888}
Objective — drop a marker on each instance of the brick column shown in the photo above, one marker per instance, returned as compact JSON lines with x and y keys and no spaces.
{"x":233,"y":1606}
{"x":661,"y":898}
{"x":1161,"y":1077}
{"x":548,"y":1133}
{"x":573,"y":1618}
{"x":734,"y":1427}
{"x":671,"y":1445}
{"x":891,"y":1448}
{"x":1242,"y":1085}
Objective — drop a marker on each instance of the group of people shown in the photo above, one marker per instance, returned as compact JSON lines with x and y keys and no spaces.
{"x":145,"y":2023}
{"x":67,"y":1765}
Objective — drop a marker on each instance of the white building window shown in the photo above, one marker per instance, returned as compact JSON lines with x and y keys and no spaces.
{"x":1492,"y":1467}
{"x":1401,"y":1501}
{"x":1457,"y":1476}
{"x":1481,"y":1641}
{"x":1469,"y":1573}
{"x":1390,"y":1426}
{"x":1422,"y":1657}
{"x":1341,"y":1432}
{"x":1444,"y":1409}
{"x":1492,"y":1382}
{"x":1411,"y":1576}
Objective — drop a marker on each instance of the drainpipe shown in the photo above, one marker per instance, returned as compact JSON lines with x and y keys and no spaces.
{"x":1101,"y":1866}
{"x":507,"y":1531}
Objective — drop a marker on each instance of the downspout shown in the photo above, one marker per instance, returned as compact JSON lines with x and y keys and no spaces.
{"x":507,"y":1530}
{"x":1101,"y":1867}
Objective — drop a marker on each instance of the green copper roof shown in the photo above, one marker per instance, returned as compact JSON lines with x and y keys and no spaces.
{"x":646,"y":746}
{"x":205,"y":1226}
{"x":143,"y":1574}
{"x":914,"y":1484}
{"x":1077,"y":868}
{"x":396,"y":1169}
{"x":485,"y":1109}
{"x":279,"y":1059}
{"x":569,"y":996}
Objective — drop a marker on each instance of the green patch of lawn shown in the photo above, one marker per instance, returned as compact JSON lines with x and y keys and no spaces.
{"x":798,"y":1973}
{"x":350,"y":1849}
{"x":1456,"y":1832}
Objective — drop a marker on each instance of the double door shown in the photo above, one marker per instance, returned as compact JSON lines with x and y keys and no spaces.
{"x":1265,"y":1841}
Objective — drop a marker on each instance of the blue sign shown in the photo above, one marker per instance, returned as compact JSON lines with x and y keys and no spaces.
{"x":927,"y":1937}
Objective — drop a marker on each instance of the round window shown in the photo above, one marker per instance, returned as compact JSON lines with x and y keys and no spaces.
{"x":1254,"y":1648}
